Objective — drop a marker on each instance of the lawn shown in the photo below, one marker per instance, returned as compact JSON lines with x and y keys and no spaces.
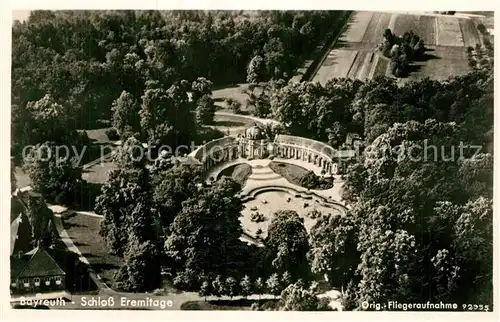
{"x":98,"y":173}
{"x":239,"y":173}
{"x":291,"y":172}
{"x":84,"y":231}
{"x":236,"y":92}
{"x":451,"y":60}
{"x":22,"y":178}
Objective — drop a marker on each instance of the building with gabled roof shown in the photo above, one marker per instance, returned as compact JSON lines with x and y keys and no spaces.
{"x":32,"y":270}
{"x":35,"y":272}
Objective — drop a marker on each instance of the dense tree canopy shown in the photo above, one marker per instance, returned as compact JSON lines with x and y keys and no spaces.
{"x":288,"y":245}
{"x":53,"y":172}
{"x":71,"y":54}
{"x":205,"y":235}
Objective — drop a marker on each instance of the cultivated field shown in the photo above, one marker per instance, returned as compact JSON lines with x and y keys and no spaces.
{"x":356,"y":55}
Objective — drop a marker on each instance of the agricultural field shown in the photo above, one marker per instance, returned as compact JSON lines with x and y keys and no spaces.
{"x":356,"y":55}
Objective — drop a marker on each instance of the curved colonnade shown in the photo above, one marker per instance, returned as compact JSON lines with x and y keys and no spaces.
{"x":284,"y":146}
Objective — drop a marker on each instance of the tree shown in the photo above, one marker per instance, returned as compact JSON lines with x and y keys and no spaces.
{"x":13,"y":179}
{"x":218,"y":286}
{"x":56,"y":177}
{"x":205,"y":289}
{"x":171,"y":187}
{"x":50,"y":121}
{"x":205,"y":110}
{"x":259,"y":286}
{"x":288,"y":245}
{"x":333,"y":252}
{"x":230,"y":287}
{"x":273,"y":284}
{"x":255,"y":70}
{"x":125,"y":114}
{"x":141,"y":269}
{"x":286,"y":279}
{"x":234,"y":105}
{"x":200,"y":88}
{"x":205,"y":234}
{"x":41,"y":221}
{"x":166,"y":116}
{"x":125,"y":202}
{"x":295,"y":298}
{"x":246,"y":286}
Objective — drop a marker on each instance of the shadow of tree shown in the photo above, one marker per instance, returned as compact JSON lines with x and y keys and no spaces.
{"x":86,"y":195}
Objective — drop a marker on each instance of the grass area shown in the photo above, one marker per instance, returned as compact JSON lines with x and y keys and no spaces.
{"x":84,"y":231}
{"x":426,"y":29}
{"x":239,"y":173}
{"x":22,"y":178}
{"x":448,"y":61}
{"x":291,"y":172}
{"x":99,"y":135}
{"x":98,"y":173}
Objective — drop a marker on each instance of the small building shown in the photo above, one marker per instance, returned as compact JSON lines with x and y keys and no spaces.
{"x":32,"y":270}
{"x":35,"y":272}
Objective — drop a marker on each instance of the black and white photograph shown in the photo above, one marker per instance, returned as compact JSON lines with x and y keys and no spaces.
{"x":252,"y":160}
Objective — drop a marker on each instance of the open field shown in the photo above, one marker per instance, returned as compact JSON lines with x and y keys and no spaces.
{"x":445,"y":36}
{"x":450,"y":61}
{"x":469,"y":33}
{"x":448,"y":31}
{"x":375,"y":29}
{"x":84,"y":231}
{"x":357,"y":25}
{"x":337,"y":64}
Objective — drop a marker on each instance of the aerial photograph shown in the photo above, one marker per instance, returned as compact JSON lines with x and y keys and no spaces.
{"x":272,"y":160}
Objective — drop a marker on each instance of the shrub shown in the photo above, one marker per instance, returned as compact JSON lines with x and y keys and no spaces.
{"x":257,"y":217}
{"x":112,"y":134}
{"x":312,"y":181}
{"x":482,"y":28}
{"x":234,"y":105}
